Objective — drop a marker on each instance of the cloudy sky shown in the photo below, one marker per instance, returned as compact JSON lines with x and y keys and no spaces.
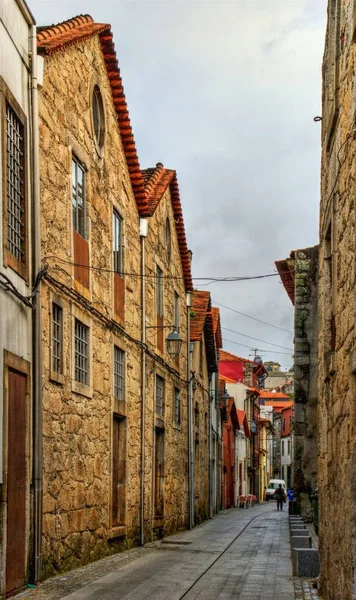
{"x":225,"y":93}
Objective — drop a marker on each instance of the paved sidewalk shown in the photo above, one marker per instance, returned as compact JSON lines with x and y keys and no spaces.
{"x":240,"y":554}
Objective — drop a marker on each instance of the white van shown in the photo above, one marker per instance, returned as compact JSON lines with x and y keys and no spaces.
{"x":273,"y":484}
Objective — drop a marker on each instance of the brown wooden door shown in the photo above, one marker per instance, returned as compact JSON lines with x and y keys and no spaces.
{"x":16,"y":483}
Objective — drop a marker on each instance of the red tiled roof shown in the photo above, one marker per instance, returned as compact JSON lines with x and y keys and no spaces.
{"x":279,"y":406}
{"x":217,"y":326}
{"x":287,"y":277}
{"x":243,"y":421}
{"x":156,"y":181}
{"x":228,"y":357}
{"x":273,"y":395}
{"x":200,"y":305}
{"x":226,"y":379}
{"x":202,"y":321}
{"x":58,"y":37}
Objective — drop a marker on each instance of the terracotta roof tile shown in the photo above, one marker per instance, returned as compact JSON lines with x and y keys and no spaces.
{"x":217,"y":326}
{"x":287,"y":277}
{"x":156,"y":181}
{"x":200,"y":305}
{"x":56,"y":38}
{"x":273,"y":395}
{"x":228,"y":357}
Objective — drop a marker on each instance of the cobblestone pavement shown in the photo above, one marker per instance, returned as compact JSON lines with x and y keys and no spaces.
{"x":241,"y":554}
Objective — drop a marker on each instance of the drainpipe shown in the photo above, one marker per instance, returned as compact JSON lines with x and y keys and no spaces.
{"x":210,"y":449}
{"x":190,"y":420}
{"x":36,"y":326}
{"x":143,"y":235}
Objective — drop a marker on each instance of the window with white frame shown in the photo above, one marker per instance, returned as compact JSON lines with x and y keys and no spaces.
{"x":176,"y":312}
{"x":119,"y":373}
{"x":81,"y":370}
{"x":118,"y":243}
{"x":159,"y":395}
{"x":78,"y":198}
{"x":15,"y":189}
{"x":176,"y":408}
{"x":159,"y":291}
{"x":57,"y":338}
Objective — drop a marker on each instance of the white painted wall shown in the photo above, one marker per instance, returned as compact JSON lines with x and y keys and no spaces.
{"x":238,"y":392}
{"x":15,"y":317}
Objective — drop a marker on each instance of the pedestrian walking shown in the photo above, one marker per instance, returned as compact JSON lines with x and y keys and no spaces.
{"x":280,"y":497}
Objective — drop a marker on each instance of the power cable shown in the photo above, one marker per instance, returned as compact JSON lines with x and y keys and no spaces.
{"x":154,"y":275}
{"x":249,"y":317}
{"x":259,"y":349}
{"x":254,"y":338}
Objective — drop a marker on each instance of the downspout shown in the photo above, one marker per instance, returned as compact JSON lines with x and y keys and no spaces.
{"x":143,"y":235}
{"x":210,"y":449}
{"x":36,"y":570}
{"x":190,"y":420}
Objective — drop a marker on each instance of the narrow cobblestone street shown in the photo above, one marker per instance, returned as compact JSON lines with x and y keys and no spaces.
{"x":242,"y":554}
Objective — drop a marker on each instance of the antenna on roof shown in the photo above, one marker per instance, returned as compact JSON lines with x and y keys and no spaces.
{"x":255,"y":355}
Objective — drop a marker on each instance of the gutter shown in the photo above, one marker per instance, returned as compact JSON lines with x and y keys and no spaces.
{"x":36,"y":570}
{"x":143,"y":235}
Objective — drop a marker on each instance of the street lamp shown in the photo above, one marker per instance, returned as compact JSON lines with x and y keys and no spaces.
{"x":174,"y":343}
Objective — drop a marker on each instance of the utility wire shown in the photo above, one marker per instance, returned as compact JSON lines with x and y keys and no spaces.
{"x":154,"y":275}
{"x":249,"y":317}
{"x":254,"y":338}
{"x":259,"y":349}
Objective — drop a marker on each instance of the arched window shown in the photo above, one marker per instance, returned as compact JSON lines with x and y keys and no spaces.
{"x":98,"y":116}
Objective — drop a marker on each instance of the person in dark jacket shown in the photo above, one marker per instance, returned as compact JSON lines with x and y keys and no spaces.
{"x":280,"y":496}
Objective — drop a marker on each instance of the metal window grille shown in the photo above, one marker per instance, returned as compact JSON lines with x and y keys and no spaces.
{"x":78,"y":198}
{"x":57,"y":338}
{"x":159,"y":395}
{"x":118,"y":243}
{"x":159,"y":291}
{"x":119,"y":373}
{"x":176,"y":311}
{"x":15,"y":162}
{"x":176,"y":406}
{"x":81,"y":352}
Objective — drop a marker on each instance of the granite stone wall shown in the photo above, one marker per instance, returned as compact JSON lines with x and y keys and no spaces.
{"x":336,"y":407}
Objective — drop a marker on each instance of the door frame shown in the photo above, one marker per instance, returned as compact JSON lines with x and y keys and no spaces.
{"x":12,"y":362}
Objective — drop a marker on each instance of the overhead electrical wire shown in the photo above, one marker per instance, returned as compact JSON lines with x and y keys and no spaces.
{"x":257,"y":339}
{"x":154,"y":275}
{"x":259,"y":349}
{"x":249,"y":317}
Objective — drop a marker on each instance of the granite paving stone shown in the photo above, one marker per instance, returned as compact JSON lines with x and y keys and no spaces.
{"x":238,"y":555}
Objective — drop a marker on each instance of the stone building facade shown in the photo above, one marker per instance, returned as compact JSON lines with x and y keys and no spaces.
{"x":299,"y":275}
{"x":114,"y":400}
{"x":20,"y":392}
{"x":204,"y":366}
{"x":337,"y":365}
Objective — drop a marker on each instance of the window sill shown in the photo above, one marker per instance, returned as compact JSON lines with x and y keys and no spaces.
{"x":82,"y":389}
{"x":117,"y":531}
{"x":56,"y":377}
{"x":177,"y":426}
{"x":119,"y":407}
{"x":159,"y":421}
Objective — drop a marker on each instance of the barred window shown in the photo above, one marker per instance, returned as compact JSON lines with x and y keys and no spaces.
{"x":176,"y":411}
{"x":119,"y":373}
{"x":57,"y":338}
{"x":118,"y":243}
{"x":159,"y":395}
{"x":15,"y":164}
{"x":78,"y":198}
{"x":81,"y":352}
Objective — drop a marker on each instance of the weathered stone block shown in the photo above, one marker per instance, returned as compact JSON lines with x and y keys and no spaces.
{"x":305,"y":562}
{"x":301,"y":541}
